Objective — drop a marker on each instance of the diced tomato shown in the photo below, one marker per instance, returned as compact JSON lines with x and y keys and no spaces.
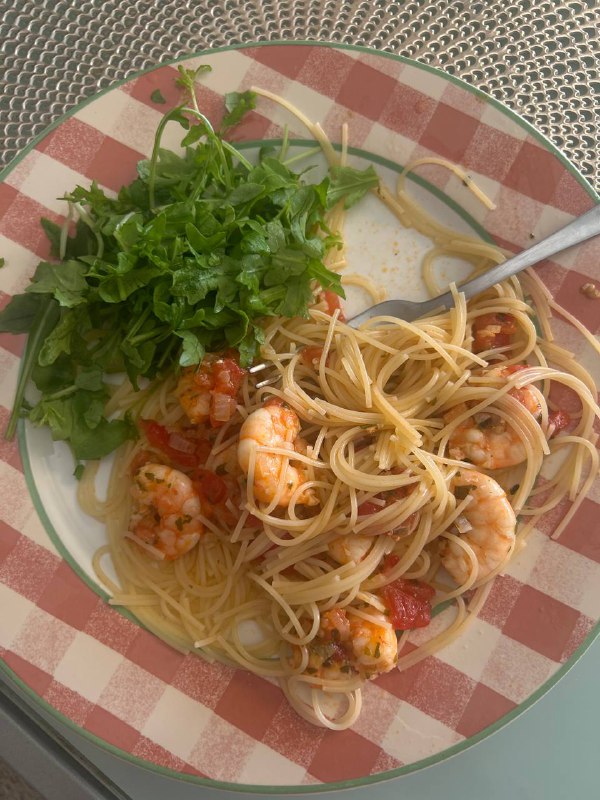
{"x":409,"y":603}
{"x":196,"y":450}
{"x":558,"y":421}
{"x":157,"y":434}
{"x":253,"y":522}
{"x":389,"y":562}
{"x":210,"y":486}
{"x":311,"y":354}
{"x":367,"y":508}
{"x":493,"y":330}
{"x":334,"y":302}
{"x":228,"y":376}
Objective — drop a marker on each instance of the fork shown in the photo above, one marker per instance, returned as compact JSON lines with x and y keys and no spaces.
{"x":579,"y":230}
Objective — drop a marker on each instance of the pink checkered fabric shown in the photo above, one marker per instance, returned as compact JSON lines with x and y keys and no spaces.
{"x":118,"y":682}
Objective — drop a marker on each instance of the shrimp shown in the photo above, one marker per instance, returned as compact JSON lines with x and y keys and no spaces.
{"x":374,"y":645}
{"x":194,"y":398}
{"x":351,"y":547}
{"x":166,"y":510}
{"x":347,"y":643}
{"x":492,"y":528}
{"x":273,"y":426}
{"x":488,"y":441}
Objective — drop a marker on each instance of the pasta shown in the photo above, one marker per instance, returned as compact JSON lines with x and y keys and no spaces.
{"x":366,"y":479}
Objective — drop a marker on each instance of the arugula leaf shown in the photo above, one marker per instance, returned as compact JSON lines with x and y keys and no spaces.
{"x":20,"y":313}
{"x":189,"y":258}
{"x":53,"y":234}
{"x":157,"y":97}
{"x":65,"y":281}
{"x":237,"y":105}
{"x":350,"y":185}
{"x":192,"y":350}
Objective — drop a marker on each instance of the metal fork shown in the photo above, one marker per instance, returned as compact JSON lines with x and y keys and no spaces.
{"x":579,"y":230}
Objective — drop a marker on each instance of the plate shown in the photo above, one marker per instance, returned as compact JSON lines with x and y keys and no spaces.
{"x":99,"y":671}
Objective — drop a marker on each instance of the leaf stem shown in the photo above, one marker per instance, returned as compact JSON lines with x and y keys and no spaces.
{"x":45,"y":319}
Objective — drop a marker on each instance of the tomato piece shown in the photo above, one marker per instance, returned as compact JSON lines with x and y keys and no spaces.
{"x":159,"y":437}
{"x":367,"y":508}
{"x":157,"y":434}
{"x":409,"y":603}
{"x":334,"y":302}
{"x":253,"y":522}
{"x":310,"y":354}
{"x":389,"y":562}
{"x":557,"y":421}
{"x":228,"y":376}
{"x":210,"y":486}
{"x":493,"y":330}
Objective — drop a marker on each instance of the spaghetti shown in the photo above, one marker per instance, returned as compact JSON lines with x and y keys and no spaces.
{"x":369,"y":478}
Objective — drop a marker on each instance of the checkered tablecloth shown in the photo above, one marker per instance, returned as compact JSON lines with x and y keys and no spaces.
{"x":135,"y":688}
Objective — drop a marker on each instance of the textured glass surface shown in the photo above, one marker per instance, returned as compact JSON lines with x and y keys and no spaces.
{"x":539,"y":58}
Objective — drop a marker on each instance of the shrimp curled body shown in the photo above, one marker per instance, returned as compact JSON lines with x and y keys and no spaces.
{"x":491,"y":535}
{"x":273,"y":426}
{"x":487,"y":440}
{"x":348,"y":643}
{"x":165,"y":511}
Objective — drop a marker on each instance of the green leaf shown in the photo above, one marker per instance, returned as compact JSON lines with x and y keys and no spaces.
{"x":326,"y":278}
{"x":65,"y":281}
{"x":237,"y":105}
{"x":53,"y":234}
{"x":350,"y":185}
{"x":298,"y":295}
{"x":94,"y":443}
{"x":20,"y":313}
{"x":192,"y":349}
{"x":157,"y":97}
{"x":187,"y":77}
{"x":202,"y":243}
{"x":90,"y":378}
{"x":245,"y":193}
{"x":60,"y":340}
{"x":54,"y":377}
{"x":117,"y":288}
{"x":194,"y":282}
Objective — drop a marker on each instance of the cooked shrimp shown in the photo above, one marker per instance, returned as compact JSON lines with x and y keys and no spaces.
{"x":485,"y":439}
{"x":209,"y":391}
{"x":351,"y":547}
{"x":166,"y":510}
{"x":492,"y":528}
{"x":273,"y":426}
{"x":194,"y":397}
{"x":527,"y":395}
{"x":374,"y":645}
{"x":347,"y":643}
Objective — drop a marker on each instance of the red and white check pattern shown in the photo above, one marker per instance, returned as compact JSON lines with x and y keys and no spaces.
{"x":123,"y":685}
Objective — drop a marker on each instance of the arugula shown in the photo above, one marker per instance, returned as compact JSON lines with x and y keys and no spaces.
{"x":190,"y":257}
{"x":157,"y":97}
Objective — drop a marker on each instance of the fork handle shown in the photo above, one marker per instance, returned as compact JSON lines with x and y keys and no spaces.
{"x":577,"y":231}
